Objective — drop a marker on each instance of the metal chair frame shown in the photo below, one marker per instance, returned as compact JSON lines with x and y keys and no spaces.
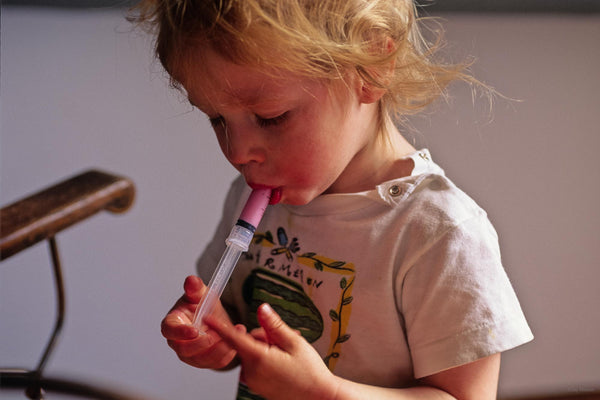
{"x":40,"y":217}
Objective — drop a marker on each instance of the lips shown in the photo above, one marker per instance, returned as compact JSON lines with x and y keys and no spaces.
{"x":275,"y":192}
{"x":275,"y":196}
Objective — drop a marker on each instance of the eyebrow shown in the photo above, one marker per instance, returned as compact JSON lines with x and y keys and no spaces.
{"x":252,"y":97}
{"x":245,"y":97}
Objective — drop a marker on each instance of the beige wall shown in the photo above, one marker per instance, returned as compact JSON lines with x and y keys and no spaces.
{"x":79,"y":90}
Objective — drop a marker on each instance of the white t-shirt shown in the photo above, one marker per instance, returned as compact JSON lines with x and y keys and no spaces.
{"x":389,"y":285}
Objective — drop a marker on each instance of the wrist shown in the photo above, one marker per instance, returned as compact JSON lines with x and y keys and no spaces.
{"x":335,"y":388}
{"x":329,"y":389}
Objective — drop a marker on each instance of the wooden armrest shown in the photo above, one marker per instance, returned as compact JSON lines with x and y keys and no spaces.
{"x":45,"y":213}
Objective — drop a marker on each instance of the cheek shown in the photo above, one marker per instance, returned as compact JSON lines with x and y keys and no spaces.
{"x":308,"y":166}
{"x":307,"y":152}
{"x":311,"y":150}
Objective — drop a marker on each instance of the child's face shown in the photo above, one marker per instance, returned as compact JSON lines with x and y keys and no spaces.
{"x":287,"y":132}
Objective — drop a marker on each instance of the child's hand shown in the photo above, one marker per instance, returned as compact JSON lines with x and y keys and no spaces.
{"x":202,"y":351}
{"x":277,"y":363}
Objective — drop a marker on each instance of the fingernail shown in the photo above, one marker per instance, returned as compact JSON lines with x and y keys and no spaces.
{"x":267,"y":309}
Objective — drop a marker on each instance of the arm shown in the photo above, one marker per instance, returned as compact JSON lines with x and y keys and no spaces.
{"x":474,"y":381}
{"x":277,"y":363}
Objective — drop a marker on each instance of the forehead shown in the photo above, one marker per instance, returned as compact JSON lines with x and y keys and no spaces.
{"x":209,"y":77}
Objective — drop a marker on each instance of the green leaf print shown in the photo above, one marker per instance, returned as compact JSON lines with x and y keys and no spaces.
{"x":334,"y":315}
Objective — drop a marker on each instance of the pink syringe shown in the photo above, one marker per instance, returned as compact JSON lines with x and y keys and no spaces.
{"x":237,"y":242}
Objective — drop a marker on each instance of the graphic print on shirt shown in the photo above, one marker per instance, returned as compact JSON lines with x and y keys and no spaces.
{"x":288,"y":279}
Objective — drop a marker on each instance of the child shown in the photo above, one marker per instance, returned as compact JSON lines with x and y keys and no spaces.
{"x":374,"y":277}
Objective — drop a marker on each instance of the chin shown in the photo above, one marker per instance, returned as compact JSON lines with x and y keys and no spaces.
{"x":295,"y":203}
{"x":299,"y":199}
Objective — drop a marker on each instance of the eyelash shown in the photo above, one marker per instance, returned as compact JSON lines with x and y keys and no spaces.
{"x":262,"y":122}
{"x":217,"y":122}
{"x":266,"y":122}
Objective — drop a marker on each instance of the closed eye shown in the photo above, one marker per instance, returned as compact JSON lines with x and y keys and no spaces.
{"x":267,"y":122}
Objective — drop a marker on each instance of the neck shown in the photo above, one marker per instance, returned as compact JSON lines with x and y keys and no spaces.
{"x":382,"y":159}
{"x":392,"y":150}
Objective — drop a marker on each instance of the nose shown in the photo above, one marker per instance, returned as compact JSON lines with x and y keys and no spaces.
{"x":243,"y":145}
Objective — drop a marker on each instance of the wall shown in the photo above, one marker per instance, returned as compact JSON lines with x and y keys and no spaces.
{"x":79,"y":90}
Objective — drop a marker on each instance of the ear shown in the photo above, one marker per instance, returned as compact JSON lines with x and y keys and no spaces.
{"x":372,"y":91}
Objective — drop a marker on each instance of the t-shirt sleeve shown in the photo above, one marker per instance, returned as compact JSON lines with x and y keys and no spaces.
{"x":457,"y":302}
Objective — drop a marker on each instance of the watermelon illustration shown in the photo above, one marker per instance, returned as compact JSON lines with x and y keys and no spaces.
{"x":287,"y":298}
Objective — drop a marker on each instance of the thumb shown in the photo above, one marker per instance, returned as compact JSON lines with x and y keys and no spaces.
{"x":194,"y":289}
{"x":277,"y":331}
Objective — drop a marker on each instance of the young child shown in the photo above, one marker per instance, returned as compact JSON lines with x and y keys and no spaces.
{"x":374,"y":277}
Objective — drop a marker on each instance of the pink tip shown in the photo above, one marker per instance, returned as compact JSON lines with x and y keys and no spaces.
{"x":255,"y":206}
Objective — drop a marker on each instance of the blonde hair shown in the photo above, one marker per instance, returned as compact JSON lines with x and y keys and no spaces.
{"x":323,"y":39}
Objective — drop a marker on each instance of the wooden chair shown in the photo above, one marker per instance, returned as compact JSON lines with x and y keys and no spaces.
{"x":40,"y":217}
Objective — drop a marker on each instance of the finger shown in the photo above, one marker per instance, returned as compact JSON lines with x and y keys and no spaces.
{"x":206,"y":351}
{"x":259,"y":334}
{"x":236,"y":337}
{"x":200,"y":344}
{"x":176,"y":326}
{"x":218,"y":358}
{"x":276,"y":330}
{"x":193,"y":288}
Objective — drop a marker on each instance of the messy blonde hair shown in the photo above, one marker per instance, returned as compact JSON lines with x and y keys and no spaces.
{"x":321,"y":39}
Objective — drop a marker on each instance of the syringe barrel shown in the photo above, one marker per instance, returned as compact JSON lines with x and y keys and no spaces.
{"x":217,"y":283}
{"x":237,"y":242}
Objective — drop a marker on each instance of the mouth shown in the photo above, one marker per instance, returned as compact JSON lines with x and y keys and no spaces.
{"x":275,"y":192}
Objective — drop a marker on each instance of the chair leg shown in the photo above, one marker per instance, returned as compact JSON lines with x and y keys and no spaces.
{"x":35,"y":392}
{"x":60,"y":304}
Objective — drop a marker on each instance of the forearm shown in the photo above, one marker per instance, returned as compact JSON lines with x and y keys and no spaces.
{"x":348,"y":390}
{"x":477,"y":380}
